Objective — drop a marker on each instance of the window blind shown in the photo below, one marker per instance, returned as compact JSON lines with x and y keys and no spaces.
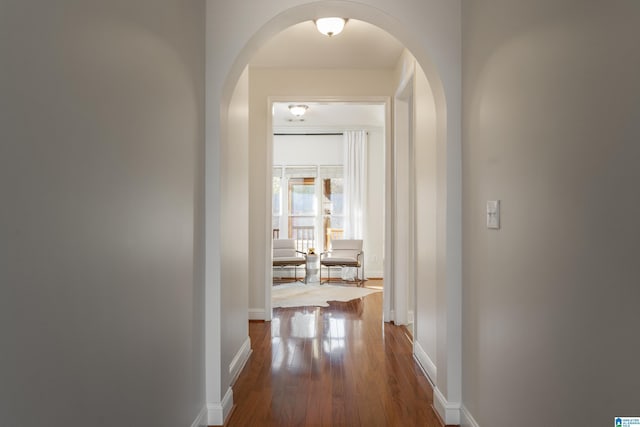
{"x":301,"y":172}
{"x":331,"y":171}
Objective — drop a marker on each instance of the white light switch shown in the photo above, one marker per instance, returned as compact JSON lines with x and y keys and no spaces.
{"x":493,"y":214}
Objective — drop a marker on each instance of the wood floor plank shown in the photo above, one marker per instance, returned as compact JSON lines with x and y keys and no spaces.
{"x":334,"y":366}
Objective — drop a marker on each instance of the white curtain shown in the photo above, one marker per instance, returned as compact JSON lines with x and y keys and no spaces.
{"x":355,"y":188}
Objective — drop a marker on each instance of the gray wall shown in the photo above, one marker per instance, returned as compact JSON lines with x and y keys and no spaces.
{"x":552,"y":128}
{"x":101,"y":141}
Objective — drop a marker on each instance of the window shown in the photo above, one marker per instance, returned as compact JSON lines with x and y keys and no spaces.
{"x":296,"y":213}
{"x":276,"y":201}
{"x":332,"y":210}
{"x":332,"y":203}
{"x":302,"y":211}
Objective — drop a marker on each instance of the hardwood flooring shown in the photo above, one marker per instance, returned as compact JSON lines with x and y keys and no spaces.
{"x":334,"y":366}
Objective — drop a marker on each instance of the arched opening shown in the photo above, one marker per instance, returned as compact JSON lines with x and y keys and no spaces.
{"x":221,"y":87}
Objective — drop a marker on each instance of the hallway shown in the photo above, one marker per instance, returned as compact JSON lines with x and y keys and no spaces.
{"x":339,"y":365}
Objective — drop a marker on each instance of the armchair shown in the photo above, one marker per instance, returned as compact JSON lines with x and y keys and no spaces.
{"x":285,"y":254}
{"x":343,"y":253}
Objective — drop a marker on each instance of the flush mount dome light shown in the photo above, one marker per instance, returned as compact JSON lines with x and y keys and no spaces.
{"x":298,"y":110}
{"x":330,"y":26}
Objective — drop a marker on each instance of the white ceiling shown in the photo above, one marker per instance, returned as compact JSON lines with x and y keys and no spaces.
{"x":360,"y":45}
{"x":328,"y":116}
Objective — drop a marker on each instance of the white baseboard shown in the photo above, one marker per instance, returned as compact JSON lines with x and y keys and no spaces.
{"x":467,"y":419}
{"x":239,"y":360}
{"x":425,"y":362}
{"x":201,"y":419}
{"x":256,"y":314}
{"x":391,"y":317}
{"x":374,"y":273}
{"x":218,"y":412}
{"x":449,"y":412}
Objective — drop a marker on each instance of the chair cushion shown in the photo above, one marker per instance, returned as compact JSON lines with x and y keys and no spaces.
{"x":284,"y":248}
{"x":284,"y":253}
{"x":296,"y":260}
{"x":340,"y":261}
{"x":339,"y":253}
{"x":344,"y":252}
{"x":354,"y":245}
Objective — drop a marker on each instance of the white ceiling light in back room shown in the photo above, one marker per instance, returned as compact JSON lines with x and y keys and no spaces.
{"x":330,"y":26}
{"x":298,"y":110}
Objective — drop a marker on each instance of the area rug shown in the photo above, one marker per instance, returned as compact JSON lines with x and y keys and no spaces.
{"x":314,"y":294}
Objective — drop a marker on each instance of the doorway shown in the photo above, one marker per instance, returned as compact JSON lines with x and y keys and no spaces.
{"x":448,"y":124}
{"x":308,"y":166}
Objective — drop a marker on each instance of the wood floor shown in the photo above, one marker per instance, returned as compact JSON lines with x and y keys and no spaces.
{"x":334,"y":366}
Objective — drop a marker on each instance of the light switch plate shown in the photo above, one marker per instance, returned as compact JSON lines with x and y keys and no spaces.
{"x":493,"y":214}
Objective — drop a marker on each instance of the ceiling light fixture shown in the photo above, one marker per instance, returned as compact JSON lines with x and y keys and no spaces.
{"x":298,"y":110}
{"x":330,"y":26}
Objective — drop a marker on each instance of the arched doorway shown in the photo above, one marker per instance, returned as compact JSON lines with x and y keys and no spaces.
{"x":232,"y":37}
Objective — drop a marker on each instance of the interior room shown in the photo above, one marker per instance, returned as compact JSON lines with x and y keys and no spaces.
{"x":312,"y":148}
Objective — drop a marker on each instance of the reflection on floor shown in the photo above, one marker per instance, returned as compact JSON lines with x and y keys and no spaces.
{"x":339,"y":365}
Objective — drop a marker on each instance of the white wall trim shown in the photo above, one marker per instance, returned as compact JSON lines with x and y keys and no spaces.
{"x":467,"y":419}
{"x":402,"y":201}
{"x":219,"y":411}
{"x":256,"y":314}
{"x":201,"y":419}
{"x":449,"y":412}
{"x":239,"y":360}
{"x":425,"y":362}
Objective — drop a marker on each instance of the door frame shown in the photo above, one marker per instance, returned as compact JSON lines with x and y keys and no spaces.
{"x":403,"y":185}
{"x":380,"y":100}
